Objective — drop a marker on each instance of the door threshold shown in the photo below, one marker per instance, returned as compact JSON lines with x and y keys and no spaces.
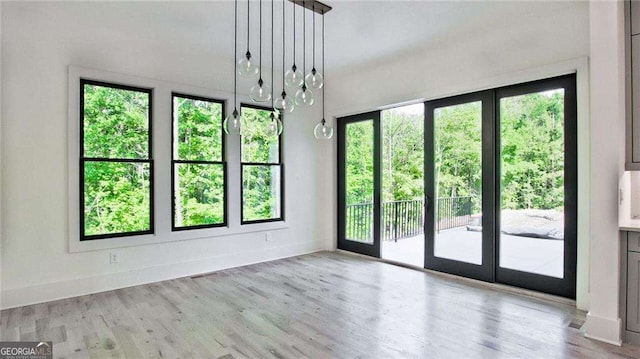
{"x":478,"y":283}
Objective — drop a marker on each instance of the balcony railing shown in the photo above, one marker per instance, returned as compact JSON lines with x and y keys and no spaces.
{"x":402,"y":219}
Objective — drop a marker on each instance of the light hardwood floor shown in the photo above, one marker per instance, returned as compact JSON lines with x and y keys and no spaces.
{"x":323,"y":305}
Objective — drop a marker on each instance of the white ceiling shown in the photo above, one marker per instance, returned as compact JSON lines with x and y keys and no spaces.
{"x":358,"y":32}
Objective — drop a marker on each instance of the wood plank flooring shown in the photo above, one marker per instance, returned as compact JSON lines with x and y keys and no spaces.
{"x":323,"y":305}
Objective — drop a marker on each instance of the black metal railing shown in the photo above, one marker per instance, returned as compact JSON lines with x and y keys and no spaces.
{"x":360,"y":222}
{"x":402,"y":219}
{"x":454,"y":212}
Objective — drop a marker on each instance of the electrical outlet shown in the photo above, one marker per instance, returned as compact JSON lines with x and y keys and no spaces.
{"x":114,"y":257}
{"x":267,"y":236}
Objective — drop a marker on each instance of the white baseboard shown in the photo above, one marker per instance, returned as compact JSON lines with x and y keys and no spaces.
{"x":608,"y":330}
{"x":41,"y":293}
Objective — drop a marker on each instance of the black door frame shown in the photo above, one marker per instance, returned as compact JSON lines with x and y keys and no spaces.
{"x":566,"y":286}
{"x":484,"y":271}
{"x":490,"y":270}
{"x":343,"y":243}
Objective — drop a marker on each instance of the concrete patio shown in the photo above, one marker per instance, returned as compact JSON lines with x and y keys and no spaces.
{"x":534,"y":255}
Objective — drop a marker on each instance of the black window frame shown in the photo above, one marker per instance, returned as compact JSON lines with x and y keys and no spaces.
{"x":174,"y":162}
{"x":279,"y":164}
{"x":83,"y":160}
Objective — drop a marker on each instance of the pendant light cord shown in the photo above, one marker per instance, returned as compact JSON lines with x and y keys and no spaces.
{"x":235,"y":56}
{"x":260,"y":42}
{"x":304,"y":42}
{"x":272,"y":82}
{"x":283,"y":43}
{"x":313,"y":59}
{"x":324,"y":71}
{"x":293,"y":4}
{"x":248,"y":24}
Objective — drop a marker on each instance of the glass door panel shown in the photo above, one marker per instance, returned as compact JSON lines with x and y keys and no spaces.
{"x":537,"y":186}
{"x":359,"y":183}
{"x":458,"y":177}
{"x":532,"y":183}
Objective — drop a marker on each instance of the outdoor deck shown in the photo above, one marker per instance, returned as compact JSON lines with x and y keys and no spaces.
{"x":535,"y":255}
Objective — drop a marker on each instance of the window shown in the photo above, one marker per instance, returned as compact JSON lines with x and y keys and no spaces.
{"x":116,"y":166}
{"x":262,"y":169}
{"x":198,"y":163}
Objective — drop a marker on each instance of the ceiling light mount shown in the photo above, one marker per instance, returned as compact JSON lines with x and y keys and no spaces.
{"x":313,"y":5}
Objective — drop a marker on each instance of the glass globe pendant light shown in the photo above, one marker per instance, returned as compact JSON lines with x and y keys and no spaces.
{"x":322,"y":131}
{"x":293,"y":77}
{"x":260,"y":92}
{"x":245,"y":65}
{"x":314,"y":78}
{"x":304,"y":96}
{"x":275,"y":127}
{"x":284,"y":103}
{"x":232,"y":124}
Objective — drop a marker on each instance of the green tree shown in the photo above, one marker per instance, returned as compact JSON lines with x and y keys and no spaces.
{"x":116,"y":194}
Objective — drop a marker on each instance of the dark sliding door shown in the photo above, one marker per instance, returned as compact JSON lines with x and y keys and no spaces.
{"x":459,"y":184}
{"x":500,"y":186}
{"x":536,"y":216}
{"x":359,"y":183}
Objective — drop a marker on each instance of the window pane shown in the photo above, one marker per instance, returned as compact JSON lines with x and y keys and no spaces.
{"x":116,"y":197}
{"x":257,"y":144}
{"x":199,"y":194}
{"x":359,"y":181}
{"x":199,"y":130}
{"x":116,"y":123}
{"x":261,"y":197}
{"x":458,"y":180}
{"x":532,"y":183}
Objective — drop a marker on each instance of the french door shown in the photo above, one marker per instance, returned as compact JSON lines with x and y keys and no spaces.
{"x":500,"y":185}
{"x":359,"y":183}
{"x":459,"y":185}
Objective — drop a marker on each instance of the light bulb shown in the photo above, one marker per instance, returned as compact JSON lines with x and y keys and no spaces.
{"x":322,"y":131}
{"x":275,"y":126}
{"x":233,"y":123}
{"x":260,"y":92}
{"x":284,"y":102}
{"x":247,"y":67}
{"x":304,"y":96}
{"x":293,"y":77}
{"x":314,"y":79}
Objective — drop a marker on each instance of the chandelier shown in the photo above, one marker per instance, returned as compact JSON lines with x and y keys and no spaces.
{"x":302,"y":84}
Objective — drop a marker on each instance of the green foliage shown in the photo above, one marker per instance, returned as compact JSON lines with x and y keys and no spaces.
{"x":402,"y":156}
{"x":199,"y":125}
{"x":258,"y":145}
{"x":199,"y":195}
{"x":458,"y":151}
{"x":116,"y":194}
{"x":261,"y":197}
{"x":261,"y":192}
{"x":116,"y":123}
{"x":359,"y":162}
{"x":532,"y":141}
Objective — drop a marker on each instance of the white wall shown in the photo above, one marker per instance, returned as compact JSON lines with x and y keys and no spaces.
{"x":607,"y":164}
{"x":521,"y":48}
{"x":39,"y":41}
